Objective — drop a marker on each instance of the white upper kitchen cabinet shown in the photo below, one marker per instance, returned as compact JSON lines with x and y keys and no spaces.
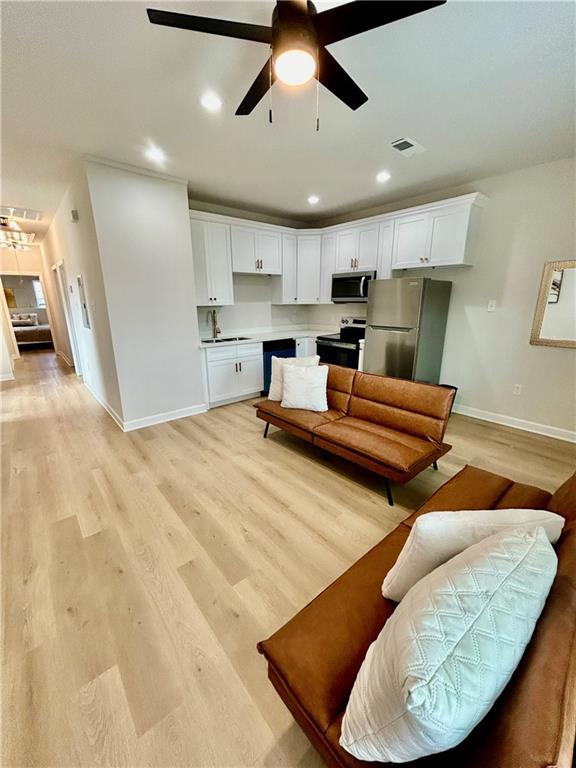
{"x":212,"y":263}
{"x":385,"y":243}
{"x":346,"y":250}
{"x":256,"y":251}
{"x":327,"y":267}
{"x":308,"y":282}
{"x":367,"y":255}
{"x":243,"y":249}
{"x":269,"y":252}
{"x":288,"y":283}
{"x":439,"y":235}
{"x":410,"y":240}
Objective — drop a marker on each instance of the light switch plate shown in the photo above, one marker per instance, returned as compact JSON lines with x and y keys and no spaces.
{"x":492,"y":305}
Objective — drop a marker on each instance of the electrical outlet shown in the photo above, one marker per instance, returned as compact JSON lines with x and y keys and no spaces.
{"x":517,"y":389}
{"x":492,"y":305}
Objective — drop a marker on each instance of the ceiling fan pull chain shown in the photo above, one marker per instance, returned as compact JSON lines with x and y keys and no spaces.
{"x":318,"y":91}
{"x":270,"y":120}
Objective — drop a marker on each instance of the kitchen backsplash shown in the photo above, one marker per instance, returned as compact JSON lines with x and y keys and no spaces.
{"x":253,"y":310}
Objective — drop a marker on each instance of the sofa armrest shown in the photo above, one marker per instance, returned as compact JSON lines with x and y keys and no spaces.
{"x":318,"y":653}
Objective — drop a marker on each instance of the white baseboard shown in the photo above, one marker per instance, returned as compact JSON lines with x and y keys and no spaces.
{"x":147,"y":421}
{"x":159,"y":418}
{"x":65,"y":357}
{"x":105,"y":405}
{"x":511,"y":421}
{"x":7,"y":377}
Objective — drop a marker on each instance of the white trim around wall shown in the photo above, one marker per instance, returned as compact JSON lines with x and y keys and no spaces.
{"x":7,"y":377}
{"x":511,"y":421}
{"x":160,"y":418}
{"x":147,"y":421}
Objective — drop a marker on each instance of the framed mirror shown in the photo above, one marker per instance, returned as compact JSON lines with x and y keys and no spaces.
{"x":555,"y":315}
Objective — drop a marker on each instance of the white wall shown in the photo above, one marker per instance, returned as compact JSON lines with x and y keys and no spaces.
{"x":143,"y":234}
{"x":528,"y":221}
{"x":6,"y":363}
{"x":76,"y":244}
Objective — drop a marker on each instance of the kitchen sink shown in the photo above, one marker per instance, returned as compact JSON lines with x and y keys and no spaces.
{"x":228,"y":338}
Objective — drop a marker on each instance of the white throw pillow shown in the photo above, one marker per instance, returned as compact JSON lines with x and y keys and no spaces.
{"x":437,"y":536}
{"x":305,"y":387}
{"x":277,"y":378}
{"x":449,"y":649}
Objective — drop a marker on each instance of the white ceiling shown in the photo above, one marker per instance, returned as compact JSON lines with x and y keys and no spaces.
{"x":486,"y":86}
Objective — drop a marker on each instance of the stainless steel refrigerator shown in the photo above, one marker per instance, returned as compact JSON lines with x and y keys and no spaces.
{"x":406,"y":325}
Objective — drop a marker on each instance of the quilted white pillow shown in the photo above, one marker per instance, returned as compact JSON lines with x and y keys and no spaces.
{"x":305,"y":387}
{"x":277,"y":378}
{"x":437,"y":536}
{"x":449,"y":649}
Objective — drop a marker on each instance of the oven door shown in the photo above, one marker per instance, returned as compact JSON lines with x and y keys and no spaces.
{"x":351,"y":287}
{"x":338,"y":353}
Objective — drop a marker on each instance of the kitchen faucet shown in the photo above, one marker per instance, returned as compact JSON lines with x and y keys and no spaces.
{"x":213,"y":320}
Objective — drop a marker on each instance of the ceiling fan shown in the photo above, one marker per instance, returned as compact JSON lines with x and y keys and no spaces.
{"x":298,"y":38}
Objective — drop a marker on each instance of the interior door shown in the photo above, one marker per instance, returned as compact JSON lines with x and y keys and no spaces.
{"x":309,"y":251}
{"x":390,"y":352}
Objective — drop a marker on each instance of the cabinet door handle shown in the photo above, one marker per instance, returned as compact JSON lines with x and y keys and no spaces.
{"x":240,"y":364}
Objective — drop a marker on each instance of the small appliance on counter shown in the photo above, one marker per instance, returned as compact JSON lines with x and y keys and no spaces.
{"x":350,"y":287}
{"x":406,"y":325}
{"x":343,"y":348}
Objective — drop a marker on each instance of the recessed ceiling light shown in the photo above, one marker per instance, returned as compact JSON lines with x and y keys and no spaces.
{"x":382,"y":177}
{"x":155,"y":154}
{"x":313,"y":199}
{"x":211,"y":101}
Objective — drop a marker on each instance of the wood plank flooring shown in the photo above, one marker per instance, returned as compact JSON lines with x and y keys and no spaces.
{"x":140,"y":570}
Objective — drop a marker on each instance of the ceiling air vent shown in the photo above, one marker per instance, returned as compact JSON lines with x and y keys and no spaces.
{"x":408,"y":147}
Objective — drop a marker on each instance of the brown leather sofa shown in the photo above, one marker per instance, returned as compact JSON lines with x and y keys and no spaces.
{"x":390,"y":426}
{"x":314,"y":659}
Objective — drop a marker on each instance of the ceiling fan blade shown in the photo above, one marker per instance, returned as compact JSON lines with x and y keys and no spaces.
{"x":336,"y":79}
{"x":360,"y":16}
{"x":257,"y":90}
{"x":239,"y":30}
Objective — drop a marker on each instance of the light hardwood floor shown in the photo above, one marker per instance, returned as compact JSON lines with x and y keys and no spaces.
{"x":140,"y":570}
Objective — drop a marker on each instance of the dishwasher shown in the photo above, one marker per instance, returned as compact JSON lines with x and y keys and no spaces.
{"x":277,"y":348}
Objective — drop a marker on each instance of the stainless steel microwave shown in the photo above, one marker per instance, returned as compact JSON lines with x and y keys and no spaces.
{"x":351,"y":286}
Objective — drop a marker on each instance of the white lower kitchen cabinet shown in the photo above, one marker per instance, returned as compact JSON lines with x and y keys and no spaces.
{"x":305,"y":347}
{"x":234,"y":372}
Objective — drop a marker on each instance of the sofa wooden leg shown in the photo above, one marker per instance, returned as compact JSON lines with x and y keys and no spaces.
{"x":435,"y":464}
{"x":388,"y":491}
{"x":266,"y":428}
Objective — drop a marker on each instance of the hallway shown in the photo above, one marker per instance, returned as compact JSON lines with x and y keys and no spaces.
{"x":140,"y":570}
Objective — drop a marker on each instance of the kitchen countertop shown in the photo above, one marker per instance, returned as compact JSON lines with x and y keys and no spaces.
{"x":256,"y":337}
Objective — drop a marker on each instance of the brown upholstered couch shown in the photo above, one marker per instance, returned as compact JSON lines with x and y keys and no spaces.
{"x":313,"y":660}
{"x":390,"y":426}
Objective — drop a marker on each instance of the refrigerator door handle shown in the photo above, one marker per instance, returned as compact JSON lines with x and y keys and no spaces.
{"x":391,"y":330}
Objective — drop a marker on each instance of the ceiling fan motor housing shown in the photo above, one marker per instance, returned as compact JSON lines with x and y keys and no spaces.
{"x":292,"y":28}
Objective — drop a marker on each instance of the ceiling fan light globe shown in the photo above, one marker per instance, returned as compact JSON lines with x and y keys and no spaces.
{"x":295,"y":67}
